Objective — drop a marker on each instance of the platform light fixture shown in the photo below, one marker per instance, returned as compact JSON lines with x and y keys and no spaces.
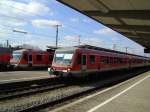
{"x":19,"y":31}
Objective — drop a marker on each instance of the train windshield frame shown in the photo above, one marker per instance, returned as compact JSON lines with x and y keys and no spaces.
{"x":63,"y":58}
{"x":16,"y":56}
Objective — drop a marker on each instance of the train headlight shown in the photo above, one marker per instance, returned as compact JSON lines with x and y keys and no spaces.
{"x":49,"y":69}
{"x":68,"y":69}
{"x":64,"y":70}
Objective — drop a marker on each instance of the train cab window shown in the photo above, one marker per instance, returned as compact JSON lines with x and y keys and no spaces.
{"x":39,"y":57}
{"x":92,"y":59}
{"x":83,"y":59}
{"x":79,"y":59}
{"x":50,"y":57}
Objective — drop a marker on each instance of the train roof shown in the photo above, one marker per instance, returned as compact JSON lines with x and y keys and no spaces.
{"x":98,"y":48}
{"x":67,"y":48}
{"x":107,"y":50}
{"x":53,"y":47}
{"x":33,"y":50}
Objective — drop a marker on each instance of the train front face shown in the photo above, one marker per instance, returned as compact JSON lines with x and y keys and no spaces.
{"x":62,"y":62}
{"x":16,"y":59}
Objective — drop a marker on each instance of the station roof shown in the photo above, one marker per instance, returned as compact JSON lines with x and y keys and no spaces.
{"x":130,"y":18}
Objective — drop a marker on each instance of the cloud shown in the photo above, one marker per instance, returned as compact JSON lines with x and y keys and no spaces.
{"x":3,"y":33}
{"x":86,"y":20}
{"x":104,"y":31}
{"x":115,"y":39}
{"x":71,"y":38}
{"x":41,"y":44}
{"x":74,"y":19}
{"x":93,"y":41}
{"x":12,"y":22}
{"x":35,"y":8}
{"x":13,"y":13}
{"x":45,"y":23}
{"x":35,"y":40}
{"x":18,"y":8}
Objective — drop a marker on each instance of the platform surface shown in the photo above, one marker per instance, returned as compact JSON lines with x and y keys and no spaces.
{"x":132,"y":95}
{"x":22,"y":75}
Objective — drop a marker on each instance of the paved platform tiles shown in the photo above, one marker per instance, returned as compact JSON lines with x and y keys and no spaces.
{"x":22,"y":75}
{"x":132,"y":95}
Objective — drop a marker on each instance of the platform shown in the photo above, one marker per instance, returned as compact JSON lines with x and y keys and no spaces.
{"x":132,"y":95}
{"x":22,"y":75}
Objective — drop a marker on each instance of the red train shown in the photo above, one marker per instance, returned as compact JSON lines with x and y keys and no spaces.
{"x":5,"y":55}
{"x":85,"y":59}
{"x":26,"y":58}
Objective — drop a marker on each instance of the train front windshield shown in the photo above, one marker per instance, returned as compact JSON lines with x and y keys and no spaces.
{"x":16,"y":56}
{"x":63,"y":58}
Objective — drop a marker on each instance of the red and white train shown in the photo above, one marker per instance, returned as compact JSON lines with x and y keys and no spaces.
{"x":85,"y":59}
{"x":5,"y":55}
{"x":26,"y":58}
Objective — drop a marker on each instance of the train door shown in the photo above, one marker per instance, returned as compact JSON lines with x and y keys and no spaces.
{"x":84,"y":62}
{"x":30,"y":61}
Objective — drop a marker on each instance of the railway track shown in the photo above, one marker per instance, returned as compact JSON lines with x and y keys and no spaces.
{"x":35,"y":100}
{"x":28,"y":91}
{"x":23,"y":88}
{"x":26,"y":84}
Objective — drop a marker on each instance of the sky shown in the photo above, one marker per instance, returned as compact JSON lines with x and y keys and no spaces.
{"x":39,"y":17}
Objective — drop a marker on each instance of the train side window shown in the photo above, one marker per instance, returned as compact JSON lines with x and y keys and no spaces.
{"x":110,"y":60}
{"x":119,"y":60}
{"x":50,"y":57}
{"x":103,"y":59}
{"x":39,"y":57}
{"x":79,"y":59}
{"x":113,"y":60}
{"x":83,"y":59}
{"x":25,"y":57}
{"x":116,"y":60}
{"x":92,"y":59}
{"x":107,"y":60}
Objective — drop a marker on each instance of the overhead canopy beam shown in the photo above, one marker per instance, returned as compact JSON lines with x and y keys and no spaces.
{"x":130,"y":27}
{"x":130,"y":18}
{"x":135,"y":14}
{"x":135,"y":34}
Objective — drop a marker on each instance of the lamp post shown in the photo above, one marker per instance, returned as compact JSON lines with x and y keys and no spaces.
{"x":7,"y":43}
{"x":20,"y":31}
{"x":57,"y":28}
{"x":127,"y":49}
{"x":79,"y":41}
